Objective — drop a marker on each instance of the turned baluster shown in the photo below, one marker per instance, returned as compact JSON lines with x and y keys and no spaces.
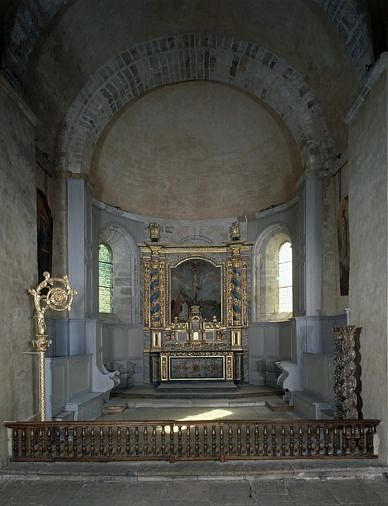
{"x":336,"y":446}
{"x":128,"y":440}
{"x":205,"y":447}
{"x":119,"y":441}
{"x":273,"y":441}
{"x":356,"y":435}
{"x":257,"y":434}
{"x":317,"y":441}
{"x":42,"y":442}
{"x":309,"y":445}
{"x":32,"y":442}
{"x":292,"y":435}
{"x":24,"y":443}
{"x":247,"y":440}
{"x":163,"y":440}
{"x":92,"y":441}
{"x":57,"y":442}
{"x":49,"y":441}
{"x":110,"y":440}
{"x":300,"y":441}
{"x":196,"y":441}
{"x":265,"y":441}
{"x":66,"y":442}
{"x":75,"y":442}
{"x":145,"y":441}
{"x":136,"y":440}
{"x":283,"y":442}
{"x":361,"y":442}
{"x":222,"y":448}
{"x":101,"y":439}
{"x":369,"y":440}
{"x":15,"y":443}
{"x":344,"y":441}
{"x":180,"y":442}
{"x":230,"y":440}
{"x":154,"y":447}
{"x":172,"y":449}
{"x":238,"y":439}
{"x":188,"y":441}
{"x":214,"y":441}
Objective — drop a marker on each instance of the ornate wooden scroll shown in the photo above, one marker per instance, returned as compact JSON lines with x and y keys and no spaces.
{"x":346,"y":380}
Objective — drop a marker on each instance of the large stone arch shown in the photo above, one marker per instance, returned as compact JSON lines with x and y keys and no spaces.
{"x":33,"y":17}
{"x":174,"y":59}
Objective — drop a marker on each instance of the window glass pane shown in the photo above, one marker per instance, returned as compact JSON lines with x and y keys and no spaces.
{"x":285,"y":274}
{"x":105,"y":279}
{"x":105,"y":300}
{"x":285,"y":300}
{"x":285,"y":278}
{"x":104,"y":254}
{"x":285,"y":253}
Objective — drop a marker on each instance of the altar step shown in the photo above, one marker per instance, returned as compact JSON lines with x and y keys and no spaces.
{"x":196,"y":391}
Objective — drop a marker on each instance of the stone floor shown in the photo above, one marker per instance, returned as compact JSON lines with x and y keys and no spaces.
{"x":245,"y":483}
{"x":198,"y":493}
{"x":210,"y":412}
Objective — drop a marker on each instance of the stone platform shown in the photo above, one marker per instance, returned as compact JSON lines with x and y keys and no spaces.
{"x":310,"y":469}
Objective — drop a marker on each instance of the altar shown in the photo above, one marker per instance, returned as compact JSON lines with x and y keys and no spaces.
{"x":195,"y":312}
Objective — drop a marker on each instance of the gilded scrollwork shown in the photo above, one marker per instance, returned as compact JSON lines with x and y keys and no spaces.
{"x":56,"y":294}
{"x":51,"y":293}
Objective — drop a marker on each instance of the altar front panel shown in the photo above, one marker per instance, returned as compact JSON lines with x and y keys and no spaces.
{"x":196,"y":367}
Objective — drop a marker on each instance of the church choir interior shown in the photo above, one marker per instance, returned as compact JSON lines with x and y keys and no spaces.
{"x":212,"y":178}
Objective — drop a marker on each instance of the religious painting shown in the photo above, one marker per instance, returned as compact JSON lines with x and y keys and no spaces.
{"x":343,"y":245}
{"x":195,"y":282}
{"x":44,"y":223}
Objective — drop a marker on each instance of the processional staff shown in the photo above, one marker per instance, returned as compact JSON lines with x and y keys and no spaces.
{"x":51,"y":293}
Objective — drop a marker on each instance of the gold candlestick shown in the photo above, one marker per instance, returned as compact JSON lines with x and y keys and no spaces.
{"x":51,"y":293}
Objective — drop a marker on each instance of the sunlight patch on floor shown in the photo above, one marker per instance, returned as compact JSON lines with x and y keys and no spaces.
{"x":212,"y":414}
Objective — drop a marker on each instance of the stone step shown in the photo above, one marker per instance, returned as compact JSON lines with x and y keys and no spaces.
{"x":278,"y":405}
{"x":193,"y":392}
{"x":210,"y":471}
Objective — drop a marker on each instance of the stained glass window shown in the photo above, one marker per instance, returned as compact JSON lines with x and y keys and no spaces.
{"x":285,"y":278}
{"x":105,"y":278}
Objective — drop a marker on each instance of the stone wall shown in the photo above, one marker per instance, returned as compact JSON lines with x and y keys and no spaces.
{"x":17,"y":259}
{"x":368,"y":246}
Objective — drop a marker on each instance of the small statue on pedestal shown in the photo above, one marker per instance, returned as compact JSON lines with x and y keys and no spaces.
{"x":235,"y":231}
{"x":154,"y":232}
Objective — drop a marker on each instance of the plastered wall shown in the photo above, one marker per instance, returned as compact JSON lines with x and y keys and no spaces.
{"x":17,"y":260}
{"x":368,"y":246}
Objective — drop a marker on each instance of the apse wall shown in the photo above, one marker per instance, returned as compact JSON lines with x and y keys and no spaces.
{"x":123,"y":338}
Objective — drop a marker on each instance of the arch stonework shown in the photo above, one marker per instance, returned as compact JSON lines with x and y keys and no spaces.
{"x":174,"y":59}
{"x":34,"y":16}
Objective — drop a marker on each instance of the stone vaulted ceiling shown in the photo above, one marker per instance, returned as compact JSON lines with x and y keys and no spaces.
{"x":81,"y":63}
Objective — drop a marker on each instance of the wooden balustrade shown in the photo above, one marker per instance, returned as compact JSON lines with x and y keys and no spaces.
{"x":205,"y":440}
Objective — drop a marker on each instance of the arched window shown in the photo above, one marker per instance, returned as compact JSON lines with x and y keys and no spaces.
{"x":272,"y":281}
{"x":285,"y":278}
{"x":105,"y":278}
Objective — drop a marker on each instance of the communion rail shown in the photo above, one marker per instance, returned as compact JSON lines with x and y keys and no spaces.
{"x":199,"y":440}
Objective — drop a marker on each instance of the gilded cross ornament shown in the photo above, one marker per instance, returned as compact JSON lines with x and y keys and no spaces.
{"x":51,"y":293}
